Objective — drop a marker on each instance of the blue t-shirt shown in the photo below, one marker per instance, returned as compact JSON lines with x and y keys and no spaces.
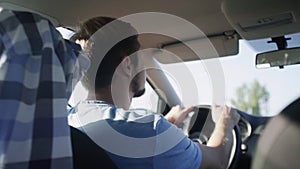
{"x":136,"y":138}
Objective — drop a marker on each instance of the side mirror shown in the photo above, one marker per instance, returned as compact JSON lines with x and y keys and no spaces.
{"x":278,"y":58}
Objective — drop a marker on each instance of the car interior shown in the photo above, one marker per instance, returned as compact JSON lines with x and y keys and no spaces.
{"x":200,"y":30}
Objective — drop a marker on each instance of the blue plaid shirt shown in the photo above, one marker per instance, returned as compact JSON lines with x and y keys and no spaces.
{"x":36,"y":72}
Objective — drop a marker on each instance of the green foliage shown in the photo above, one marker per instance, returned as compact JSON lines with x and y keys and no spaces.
{"x":251,"y":97}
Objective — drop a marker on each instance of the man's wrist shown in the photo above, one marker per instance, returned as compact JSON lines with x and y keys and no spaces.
{"x":171,"y":119}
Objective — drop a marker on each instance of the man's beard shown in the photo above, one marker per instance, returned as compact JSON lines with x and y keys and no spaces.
{"x":139,"y":93}
{"x":135,"y":87}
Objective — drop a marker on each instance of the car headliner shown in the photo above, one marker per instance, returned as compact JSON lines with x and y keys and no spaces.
{"x":210,"y":16}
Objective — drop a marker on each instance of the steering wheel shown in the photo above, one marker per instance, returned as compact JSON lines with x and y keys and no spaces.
{"x":201,"y":126}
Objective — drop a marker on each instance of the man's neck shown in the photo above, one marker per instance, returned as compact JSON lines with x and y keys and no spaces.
{"x":104,"y":94}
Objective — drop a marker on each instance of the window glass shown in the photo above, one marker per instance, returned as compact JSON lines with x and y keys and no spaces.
{"x":66,"y":33}
{"x":148,"y":101}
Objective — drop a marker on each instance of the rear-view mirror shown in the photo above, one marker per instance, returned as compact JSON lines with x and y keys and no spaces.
{"x":278,"y":58}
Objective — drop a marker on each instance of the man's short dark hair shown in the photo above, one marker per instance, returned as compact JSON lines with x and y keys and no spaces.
{"x":112,"y":58}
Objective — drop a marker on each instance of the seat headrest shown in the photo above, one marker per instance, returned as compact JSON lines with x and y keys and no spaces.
{"x":279,"y":146}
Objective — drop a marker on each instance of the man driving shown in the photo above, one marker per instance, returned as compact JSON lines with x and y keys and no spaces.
{"x":137,"y":138}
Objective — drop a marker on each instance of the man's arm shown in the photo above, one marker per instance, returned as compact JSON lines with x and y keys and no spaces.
{"x":217,"y":151}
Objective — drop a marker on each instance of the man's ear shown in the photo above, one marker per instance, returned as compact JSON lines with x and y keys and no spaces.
{"x":126,"y":66}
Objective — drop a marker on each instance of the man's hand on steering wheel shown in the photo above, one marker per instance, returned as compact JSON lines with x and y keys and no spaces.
{"x":177,"y":114}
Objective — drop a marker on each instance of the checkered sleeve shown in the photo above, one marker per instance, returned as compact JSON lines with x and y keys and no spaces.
{"x":36,"y":67}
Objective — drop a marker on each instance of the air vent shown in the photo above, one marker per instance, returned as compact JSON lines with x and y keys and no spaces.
{"x":268,"y":22}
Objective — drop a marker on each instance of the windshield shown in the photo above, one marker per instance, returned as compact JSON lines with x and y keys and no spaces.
{"x":257,"y":91}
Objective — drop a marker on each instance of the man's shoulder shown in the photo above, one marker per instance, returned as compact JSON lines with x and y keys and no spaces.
{"x":96,"y":111}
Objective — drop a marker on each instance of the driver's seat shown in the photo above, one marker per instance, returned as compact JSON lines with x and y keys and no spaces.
{"x":279,"y":146}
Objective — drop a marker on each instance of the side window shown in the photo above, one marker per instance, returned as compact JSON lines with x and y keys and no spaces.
{"x":148,"y":101}
{"x":66,"y":33}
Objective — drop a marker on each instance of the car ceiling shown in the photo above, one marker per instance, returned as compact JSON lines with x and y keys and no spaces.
{"x":207,"y":15}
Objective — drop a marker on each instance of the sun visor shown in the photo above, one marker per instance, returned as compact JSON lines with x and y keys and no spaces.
{"x":200,"y":48}
{"x":20,"y":7}
{"x":256,"y":19}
